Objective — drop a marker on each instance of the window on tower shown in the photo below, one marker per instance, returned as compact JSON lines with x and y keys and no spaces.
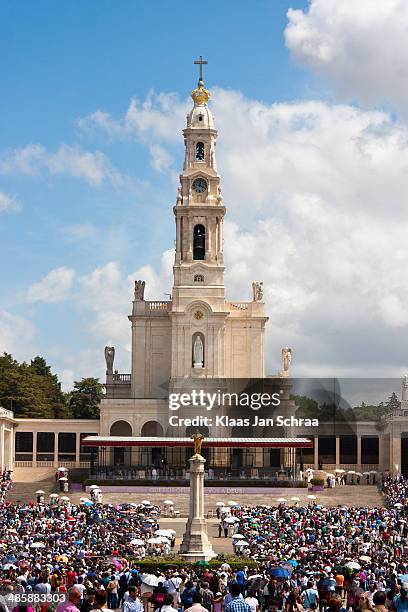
{"x":200,"y":151}
{"x":199,"y":242}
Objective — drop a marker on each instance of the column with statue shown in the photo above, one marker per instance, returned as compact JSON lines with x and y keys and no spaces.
{"x":196,"y":545}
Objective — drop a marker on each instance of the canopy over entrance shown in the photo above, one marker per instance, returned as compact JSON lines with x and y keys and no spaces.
{"x":124,"y":441}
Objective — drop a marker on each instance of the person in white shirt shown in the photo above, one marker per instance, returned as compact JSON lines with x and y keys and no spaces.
{"x":132,"y":603}
{"x":172,"y":584}
{"x":167,"y":607}
{"x":252,"y":602}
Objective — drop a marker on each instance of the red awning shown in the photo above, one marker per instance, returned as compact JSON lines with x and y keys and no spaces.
{"x":208,"y":442}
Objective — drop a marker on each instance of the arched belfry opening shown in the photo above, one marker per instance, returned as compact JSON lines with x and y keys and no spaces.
{"x":199,"y":242}
{"x":200,"y":151}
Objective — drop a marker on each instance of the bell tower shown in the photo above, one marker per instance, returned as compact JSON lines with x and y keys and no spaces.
{"x":199,"y":210}
{"x":198,"y":288}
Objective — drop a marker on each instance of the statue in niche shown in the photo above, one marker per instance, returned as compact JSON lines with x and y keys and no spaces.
{"x":109,"y":358}
{"x":286,"y":360}
{"x":139,"y":290}
{"x":198,"y":353}
{"x":257,"y":291}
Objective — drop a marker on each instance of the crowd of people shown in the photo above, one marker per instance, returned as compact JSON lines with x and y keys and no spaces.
{"x":5,"y":484}
{"x":308,"y":557}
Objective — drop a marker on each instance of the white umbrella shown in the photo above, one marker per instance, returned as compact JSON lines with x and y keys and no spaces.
{"x":233,"y":503}
{"x":295,"y":498}
{"x":64,"y":498}
{"x":53,"y":494}
{"x":9,"y":566}
{"x":136,"y":542}
{"x":168,"y":502}
{"x":282,"y":499}
{"x":353,"y":565}
{"x":230,"y":519}
{"x":145,"y":502}
{"x":241,"y":543}
{"x":225,"y":509}
{"x":39,"y":492}
{"x":37,"y":545}
{"x":373,"y":472}
{"x":220,"y":504}
{"x":238,"y":536}
{"x":85,"y":500}
{"x":63,"y":479}
{"x":330,"y":475}
{"x":351,"y":472}
{"x":399,"y":505}
{"x":163,"y":532}
{"x":158,"y":540}
{"x":311,"y":496}
{"x":62,"y":469}
{"x":94,"y":487}
{"x":150,"y":580}
{"x":339,"y":471}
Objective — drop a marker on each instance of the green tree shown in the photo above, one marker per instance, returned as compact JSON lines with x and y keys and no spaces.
{"x":306,"y":407}
{"x":85,"y":398}
{"x":51,"y":387}
{"x":393,"y":403}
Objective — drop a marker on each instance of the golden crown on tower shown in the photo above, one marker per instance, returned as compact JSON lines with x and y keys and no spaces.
{"x":200,"y":95}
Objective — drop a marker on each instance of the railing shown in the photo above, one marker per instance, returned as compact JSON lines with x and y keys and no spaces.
{"x":23,"y":464}
{"x":157,"y":305}
{"x":125,"y":378}
{"x":7,"y":414}
{"x":239,"y":305}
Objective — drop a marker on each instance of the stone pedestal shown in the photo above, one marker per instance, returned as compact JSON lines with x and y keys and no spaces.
{"x":196,"y":545}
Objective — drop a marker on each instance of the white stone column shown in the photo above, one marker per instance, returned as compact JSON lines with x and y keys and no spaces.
{"x":56,"y":464}
{"x":316,"y":453}
{"x":34,"y":463}
{"x":2,"y":453}
{"x":77,"y":448}
{"x":337,"y":451}
{"x":358,"y":451}
{"x":196,"y":545}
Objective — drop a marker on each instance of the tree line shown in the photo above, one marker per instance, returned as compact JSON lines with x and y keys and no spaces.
{"x":330,"y":412}
{"x":31,"y":390}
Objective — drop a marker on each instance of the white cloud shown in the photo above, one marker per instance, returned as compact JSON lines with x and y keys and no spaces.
{"x":315,"y":203}
{"x":156,"y":122}
{"x":53,"y":288}
{"x":359,"y":47}
{"x":8,"y":203}
{"x":16,"y":335}
{"x":95,"y":168}
{"x":107,"y":293}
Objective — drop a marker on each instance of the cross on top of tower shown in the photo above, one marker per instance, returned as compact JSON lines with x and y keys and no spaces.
{"x":201,"y":63}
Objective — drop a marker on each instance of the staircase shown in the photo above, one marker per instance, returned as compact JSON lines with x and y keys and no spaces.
{"x":25,"y":485}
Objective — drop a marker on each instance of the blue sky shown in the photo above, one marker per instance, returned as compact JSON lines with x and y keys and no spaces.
{"x":91,"y":199}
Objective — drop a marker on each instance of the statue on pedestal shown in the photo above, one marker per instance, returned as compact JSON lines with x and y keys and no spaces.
{"x":198,"y":442}
{"x":139,"y":290}
{"x":109,"y":358}
{"x":257,"y":291}
{"x":286,"y":361}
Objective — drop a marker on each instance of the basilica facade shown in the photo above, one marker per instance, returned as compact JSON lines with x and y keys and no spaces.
{"x":198,"y":339}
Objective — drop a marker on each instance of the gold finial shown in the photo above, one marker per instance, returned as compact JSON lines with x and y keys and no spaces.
{"x":200,"y":95}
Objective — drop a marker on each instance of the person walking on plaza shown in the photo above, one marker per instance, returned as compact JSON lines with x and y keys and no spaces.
{"x":132,"y":603}
{"x":236,"y":603}
{"x":72,"y":603}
